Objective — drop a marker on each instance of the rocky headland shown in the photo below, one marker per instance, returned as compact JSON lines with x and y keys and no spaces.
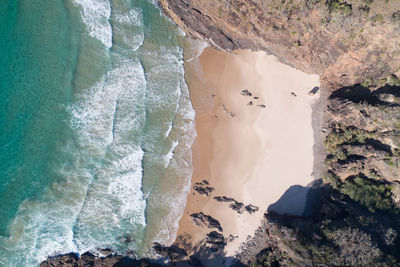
{"x":345,"y":42}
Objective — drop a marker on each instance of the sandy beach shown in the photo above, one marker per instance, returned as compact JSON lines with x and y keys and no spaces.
{"x":251,"y":148}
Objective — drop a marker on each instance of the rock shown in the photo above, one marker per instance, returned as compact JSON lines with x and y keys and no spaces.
{"x":293,"y":94}
{"x":203,"y":190}
{"x":246,"y":92}
{"x":237,"y":206}
{"x":88,"y":259}
{"x":250,"y":103}
{"x":216,"y":240}
{"x":251,"y":208}
{"x":223,"y":199}
{"x":174,"y":253}
{"x":231,"y":238}
{"x":105,"y":252}
{"x":313,"y":91}
{"x":256,"y":97}
{"x":214,"y":236}
{"x":261,"y":106}
{"x":67,"y":260}
{"x":203,"y":220}
{"x":230,"y":113}
{"x":204,"y":181}
{"x":126,"y":239}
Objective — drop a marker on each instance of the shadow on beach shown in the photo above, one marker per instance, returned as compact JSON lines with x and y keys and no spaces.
{"x":297,"y":200}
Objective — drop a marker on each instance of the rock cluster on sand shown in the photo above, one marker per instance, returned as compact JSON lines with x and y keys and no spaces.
{"x":223,"y":199}
{"x":237,"y":206}
{"x":203,"y":188}
{"x":246,"y":92}
{"x":251,"y":208}
{"x":203,"y":220}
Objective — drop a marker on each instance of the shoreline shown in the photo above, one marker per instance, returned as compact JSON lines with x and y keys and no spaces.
{"x":238,"y":149}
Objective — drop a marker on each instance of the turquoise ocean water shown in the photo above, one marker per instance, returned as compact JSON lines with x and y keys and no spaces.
{"x":96,"y":128}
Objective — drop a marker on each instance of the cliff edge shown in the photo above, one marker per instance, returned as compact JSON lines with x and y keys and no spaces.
{"x":345,"y":42}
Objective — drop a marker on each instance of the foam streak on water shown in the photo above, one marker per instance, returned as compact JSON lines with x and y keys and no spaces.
{"x":114,"y":199}
{"x":96,"y":14}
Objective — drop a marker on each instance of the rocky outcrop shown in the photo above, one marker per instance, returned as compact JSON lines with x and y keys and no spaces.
{"x":203,"y":188}
{"x":237,"y":206}
{"x":344,"y":41}
{"x":174,"y":253}
{"x":203,"y":220}
{"x":251,"y":208}
{"x":89,"y":259}
{"x":340,"y":232}
{"x":364,"y":133}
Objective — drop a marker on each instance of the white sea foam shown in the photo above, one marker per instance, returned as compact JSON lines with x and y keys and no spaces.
{"x":98,"y":197}
{"x":102,"y":182}
{"x":167,"y":90}
{"x":43,"y":227}
{"x":168,"y":131}
{"x":96,"y":14}
{"x":195,"y":49}
{"x":170,"y":154}
{"x":128,"y":28}
{"x":118,"y":107}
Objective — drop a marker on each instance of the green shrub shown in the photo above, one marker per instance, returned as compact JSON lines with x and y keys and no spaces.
{"x":372,"y":194}
{"x":369,"y":82}
{"x":394,"y":80}
{"x":378,"y":17}
{"x":332,"y":179}
{"x":340,"y":6}
{"x":342,"y":136}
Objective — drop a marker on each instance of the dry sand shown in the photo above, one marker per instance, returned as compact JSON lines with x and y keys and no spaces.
{"x":247,"y":152}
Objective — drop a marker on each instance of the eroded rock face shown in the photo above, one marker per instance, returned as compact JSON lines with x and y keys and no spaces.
{"x":364,"y":133}
{"x":345,"y":42}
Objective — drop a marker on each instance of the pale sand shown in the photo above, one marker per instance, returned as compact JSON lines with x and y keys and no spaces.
{"x":259,"y":153}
